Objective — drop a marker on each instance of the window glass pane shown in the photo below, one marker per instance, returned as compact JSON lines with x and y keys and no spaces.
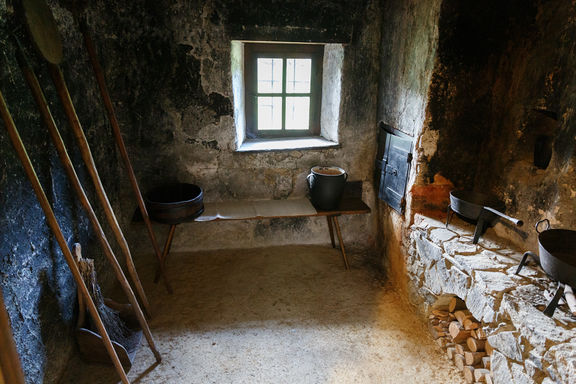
{"x":297,"y":112}
{"x":269,"y":113}
{"x":298,"y":75}
{"x":269,"y":75}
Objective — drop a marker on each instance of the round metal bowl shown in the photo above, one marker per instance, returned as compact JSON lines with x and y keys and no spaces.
{"x":175,"y":203}
{"x":557,"y":250}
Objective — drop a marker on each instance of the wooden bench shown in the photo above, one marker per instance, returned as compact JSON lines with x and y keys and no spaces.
{"x":276,"y":209}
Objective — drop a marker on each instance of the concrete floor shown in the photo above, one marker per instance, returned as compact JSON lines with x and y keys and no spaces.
{"x":278,"y":315}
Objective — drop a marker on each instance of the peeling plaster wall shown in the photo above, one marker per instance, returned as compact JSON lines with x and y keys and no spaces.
{"x":408,"y":47}
{"x":39,"y":292}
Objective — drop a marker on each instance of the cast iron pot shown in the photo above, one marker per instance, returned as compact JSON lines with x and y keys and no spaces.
{"x":326,"y":186}
{"x":557,"y":251}
{"x":557,"y":257}
{"x":175,"y":203}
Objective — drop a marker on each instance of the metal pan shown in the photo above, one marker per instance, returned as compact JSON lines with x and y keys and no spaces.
{"x":478,"y":208}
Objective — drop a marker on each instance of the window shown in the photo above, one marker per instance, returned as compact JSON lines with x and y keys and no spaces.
{"x":283,"y":89}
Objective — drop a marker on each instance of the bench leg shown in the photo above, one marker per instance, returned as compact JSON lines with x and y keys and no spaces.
{"x":331,"y":229}
{"x":167,"y":246}
{"x":342,"y":249}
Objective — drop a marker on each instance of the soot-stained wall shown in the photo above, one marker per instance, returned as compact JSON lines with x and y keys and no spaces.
{"x":502,"y":86}
{"x":39,"y":292}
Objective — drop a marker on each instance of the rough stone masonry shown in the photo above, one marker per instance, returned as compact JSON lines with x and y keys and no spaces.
{"x":529,"y":346}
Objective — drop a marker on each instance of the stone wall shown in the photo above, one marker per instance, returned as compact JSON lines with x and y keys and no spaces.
{"x":529,"y":347}
{"x":167,"y":64}
{"x":169,"y":68}
{"x":407,"y":54}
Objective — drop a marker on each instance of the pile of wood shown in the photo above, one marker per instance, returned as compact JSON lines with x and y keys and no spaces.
{"x":463,"y":339}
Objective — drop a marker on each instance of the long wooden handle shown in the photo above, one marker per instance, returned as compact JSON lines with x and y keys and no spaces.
{"x":55,"y":227}
{"x":82,"y":142}
{"x":99,"y":73}
{"x":570,"y":299}
{"x":86,"y":153}
{"x":10,"y":367}
{"x":77,"y":186}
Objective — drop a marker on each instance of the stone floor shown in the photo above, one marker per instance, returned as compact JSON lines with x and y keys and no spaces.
{"x":278,"y":315}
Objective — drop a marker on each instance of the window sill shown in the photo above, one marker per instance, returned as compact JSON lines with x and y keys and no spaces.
{"x":286,"y":144}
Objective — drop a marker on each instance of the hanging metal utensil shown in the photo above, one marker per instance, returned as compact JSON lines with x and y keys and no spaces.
{"x":77,"y":186}
{"x":36,"y":10}
{"x":55,"y":227}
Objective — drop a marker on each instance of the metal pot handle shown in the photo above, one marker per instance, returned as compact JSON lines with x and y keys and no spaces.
{"x":345,"y":176}
{"x":308,"y":179}
{"x":540,"y":222}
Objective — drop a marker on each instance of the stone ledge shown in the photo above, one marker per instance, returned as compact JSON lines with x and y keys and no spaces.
{"x":530,"y":346}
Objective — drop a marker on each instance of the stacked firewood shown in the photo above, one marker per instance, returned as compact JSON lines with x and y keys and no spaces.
{"x":463,"y":339}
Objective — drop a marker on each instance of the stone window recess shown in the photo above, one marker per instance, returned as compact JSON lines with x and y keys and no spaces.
{"x":286,"y":96}
{"x":528,"y":346}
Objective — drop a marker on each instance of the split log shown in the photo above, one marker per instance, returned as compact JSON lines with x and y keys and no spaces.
{"x":455,"y":304}
{"x":487,"y":362}
{"x":442,"y":341}
{"x":439,"y":313}
{"x":468,"y":374}
{"x":488,"y":348}
{"x":458,"y":333}
{"x":488,"y":379}
{"x":470,"y":323}
{"x":436,"y":333}
{"x":462,"y":315}
{"x":451,"y":352}
{"x":461,"y":348}
{"x":476,"y":345}
{"x":480,"y":334}
{"x":459,"y":361}
{"x":474,"y":358}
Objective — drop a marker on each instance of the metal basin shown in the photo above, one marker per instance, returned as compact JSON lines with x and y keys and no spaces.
{"x":175,"y":203}
{"x":557,"y":250}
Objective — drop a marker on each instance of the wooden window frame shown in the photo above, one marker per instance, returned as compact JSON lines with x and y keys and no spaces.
{"x":253,"y":51}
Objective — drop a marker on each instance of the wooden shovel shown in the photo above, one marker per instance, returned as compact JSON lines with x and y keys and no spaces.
{"x":55,"y":227}
{"x":39,"y":16}
{"x":77,"y":186}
